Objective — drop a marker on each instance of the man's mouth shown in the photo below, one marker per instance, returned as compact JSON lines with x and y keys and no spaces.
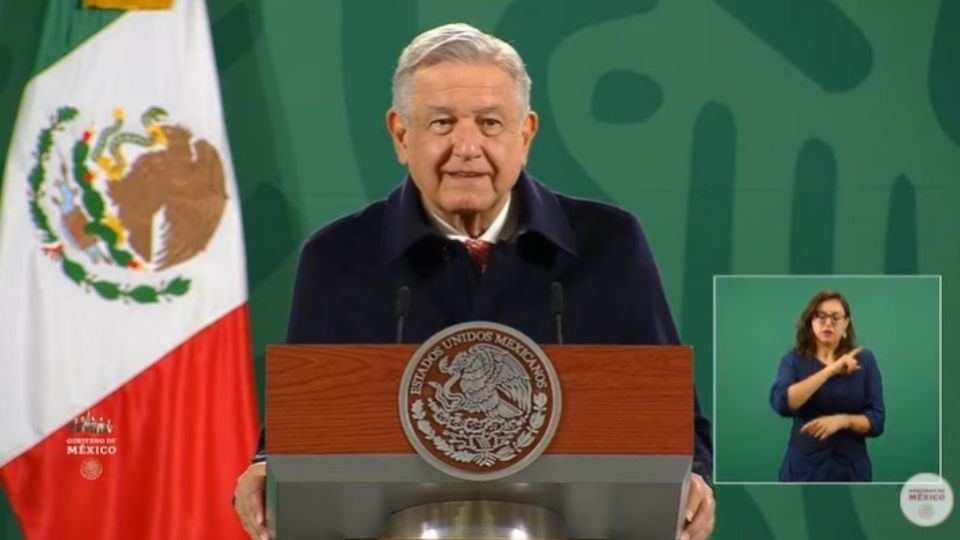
{"x":465,"y":174}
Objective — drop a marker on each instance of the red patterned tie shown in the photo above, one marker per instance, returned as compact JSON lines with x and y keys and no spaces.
{"x":480,"y":252}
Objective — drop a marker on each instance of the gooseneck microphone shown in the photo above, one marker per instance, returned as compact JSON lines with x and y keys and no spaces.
{"x":556,"y":308}
{"x":400,"y":309}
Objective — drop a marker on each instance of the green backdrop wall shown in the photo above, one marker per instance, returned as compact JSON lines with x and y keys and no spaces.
{"x":898,"y":319}
{"x":749,"y":136}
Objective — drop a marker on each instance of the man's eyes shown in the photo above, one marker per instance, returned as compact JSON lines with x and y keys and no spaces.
{"x":486,"y":124}
{"x":441,"y":123}
{"x":441,"y":126}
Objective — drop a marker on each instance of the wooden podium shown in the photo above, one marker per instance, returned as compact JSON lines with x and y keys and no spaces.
{"x":339,"y":463}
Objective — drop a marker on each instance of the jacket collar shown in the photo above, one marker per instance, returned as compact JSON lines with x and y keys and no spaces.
{"x":406,"y":222}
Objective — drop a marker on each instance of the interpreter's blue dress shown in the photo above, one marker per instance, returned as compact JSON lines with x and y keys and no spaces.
{"x":842,"y":457}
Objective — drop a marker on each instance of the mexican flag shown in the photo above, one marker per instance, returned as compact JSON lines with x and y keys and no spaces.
{"x":126,"y":389}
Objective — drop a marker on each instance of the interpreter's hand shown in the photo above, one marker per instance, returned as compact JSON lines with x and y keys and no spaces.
{"x":825,"y":426}
{"x":250,"y":503}
{"x":847,"y":364}
{"x":701,"y":510}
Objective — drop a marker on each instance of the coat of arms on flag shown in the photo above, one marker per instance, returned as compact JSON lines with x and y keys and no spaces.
{"x":126,"y":199}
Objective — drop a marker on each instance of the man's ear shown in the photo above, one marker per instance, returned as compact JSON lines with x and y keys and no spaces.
{"x":398,"y":133}
{"x":528,"y":130}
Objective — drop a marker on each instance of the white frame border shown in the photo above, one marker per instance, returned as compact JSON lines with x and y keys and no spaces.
{"x":713,"y":431}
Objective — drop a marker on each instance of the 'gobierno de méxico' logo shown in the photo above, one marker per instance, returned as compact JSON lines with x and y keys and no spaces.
{"x":118,"y":205}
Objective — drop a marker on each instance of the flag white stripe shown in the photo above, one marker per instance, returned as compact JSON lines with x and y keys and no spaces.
{"x":63,"y":348}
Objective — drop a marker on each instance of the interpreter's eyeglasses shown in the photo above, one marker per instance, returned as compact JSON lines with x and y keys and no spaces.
{"x":824,"y":318}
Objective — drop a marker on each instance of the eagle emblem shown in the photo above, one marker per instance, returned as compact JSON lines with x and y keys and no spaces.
{"x":491,"y":381}
{"x":479,"y":401}
{"x":118,"y":205}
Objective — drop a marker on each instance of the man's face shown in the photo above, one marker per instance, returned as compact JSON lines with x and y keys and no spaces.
{"x":464,"y":140}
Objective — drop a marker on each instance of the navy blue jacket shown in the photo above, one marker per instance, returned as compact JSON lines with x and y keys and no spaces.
{"x":843,"y":456}
{"x":350,"y":272}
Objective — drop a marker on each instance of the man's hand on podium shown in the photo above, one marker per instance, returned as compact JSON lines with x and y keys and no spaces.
{"x":249,"y":501}
{"x":701,"y":509}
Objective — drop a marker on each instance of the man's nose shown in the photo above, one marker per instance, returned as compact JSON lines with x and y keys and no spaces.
{"x":467,"y":140}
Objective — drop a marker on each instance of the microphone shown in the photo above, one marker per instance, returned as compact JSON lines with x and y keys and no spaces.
{"x":400,"y":309}
{"x":556,"y":308}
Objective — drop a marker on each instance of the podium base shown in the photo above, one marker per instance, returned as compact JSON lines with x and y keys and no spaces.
{"x":332,"y":497}
{"x":474,"y":520}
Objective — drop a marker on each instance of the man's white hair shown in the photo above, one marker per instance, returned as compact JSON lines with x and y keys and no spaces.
{"x":456,"y":42}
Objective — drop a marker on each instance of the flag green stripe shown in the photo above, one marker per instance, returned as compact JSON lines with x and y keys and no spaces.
{"x":34,"y":35}
{"x":19,"y":21}
{"x":50,"y":29}
{"x":9,"y":528}
{"x":65,"y":27}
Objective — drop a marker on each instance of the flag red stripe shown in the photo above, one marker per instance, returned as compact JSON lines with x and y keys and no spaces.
{"x":183,"y":429}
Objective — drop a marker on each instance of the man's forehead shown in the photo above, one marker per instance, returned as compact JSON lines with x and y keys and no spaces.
{"x":480,"y":109}
{"x":461,"y":92}
{"x":448,"y":76}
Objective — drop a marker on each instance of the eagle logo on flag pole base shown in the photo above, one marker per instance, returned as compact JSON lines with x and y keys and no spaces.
{"x":479,"y":401}
{"x":116,"y":206}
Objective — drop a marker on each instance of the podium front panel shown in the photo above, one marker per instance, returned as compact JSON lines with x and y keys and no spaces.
{"x":339,"y":463}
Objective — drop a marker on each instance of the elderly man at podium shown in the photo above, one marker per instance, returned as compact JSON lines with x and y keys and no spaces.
{"x":469,"y":235}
